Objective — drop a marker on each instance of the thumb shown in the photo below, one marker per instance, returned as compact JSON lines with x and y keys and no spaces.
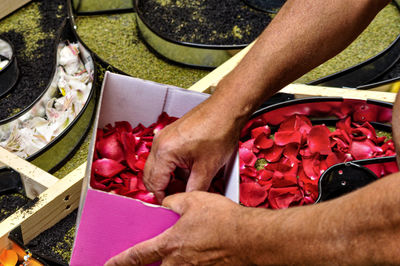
{"x":141,"y":254}
{"x":179,"y":202}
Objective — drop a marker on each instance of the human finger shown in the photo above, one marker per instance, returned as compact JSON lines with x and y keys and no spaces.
{"x":141,"y":254}
{"x":157,"y":174}
{"x":199,"y":179}
{"x":179,"y":202}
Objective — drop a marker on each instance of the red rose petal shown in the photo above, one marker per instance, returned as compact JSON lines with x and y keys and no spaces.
{"x":283,"y":138}
{"x":332,"y":159}
{"x":252,"y":194}
{"x":281,"y":180}
{"x":362,"y":133}
{"x":249,"y":171}
{"x":262,"y":142}
{"x":247,"y":156}
{"x":123,"y":126}
{"x":282,"y":198}
{"x":309,"y":166}
{"x":288,"y":124}
{"x":246,"y":179}
{"x":264,"y":175}
{"x":145,"y":196}
{"x":253,"y":123}
{"x":272,"y":154}
{"x":364,"y":149}
{"x":258,"y":130}
{"x":344,"y":125}
{"x":107,"y":167}
{"x":291,"y":151}
{"x":318,"y":140}
{"x":248,"y":144}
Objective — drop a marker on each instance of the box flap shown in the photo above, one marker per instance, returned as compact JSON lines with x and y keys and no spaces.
{"x":111,"y":224}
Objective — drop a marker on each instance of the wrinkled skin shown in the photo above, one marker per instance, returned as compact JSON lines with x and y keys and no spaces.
{"x":185,"y":243}
{"x":396,"y":127}
{"x":187,"y":144}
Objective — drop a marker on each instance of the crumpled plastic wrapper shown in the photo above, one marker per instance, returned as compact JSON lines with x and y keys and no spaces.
{"x":58,"y":107}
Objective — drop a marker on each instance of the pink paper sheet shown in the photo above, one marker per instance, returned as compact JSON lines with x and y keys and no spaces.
{"x":111,"y":224}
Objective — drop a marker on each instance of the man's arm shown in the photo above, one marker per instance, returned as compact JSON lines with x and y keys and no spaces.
{"x":396,"y":127}
{"x":303,"y":35}
{"x":361,"y":228}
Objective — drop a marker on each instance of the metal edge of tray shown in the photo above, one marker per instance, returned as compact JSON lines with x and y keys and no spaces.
{"x":185,"y":53}
{"x":98,"y":59}
{"x":272,"y":9}
{"x":10,"y":73}
{"x":56,"y":152}
{"x":363,"y":75}
{"x":53,"y":72}
{"x":377,"y":84}
{"x":291,"y":102}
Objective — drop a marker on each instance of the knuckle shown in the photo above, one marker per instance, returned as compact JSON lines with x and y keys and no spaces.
{"x":134,"y":257}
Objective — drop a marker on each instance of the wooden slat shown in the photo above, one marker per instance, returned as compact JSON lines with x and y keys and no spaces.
{"x":53,"y":204}
{"x":35,"y":180}
{"x":217,"y":74}
{"x":9,"y":6}
{"x":301,"y":90}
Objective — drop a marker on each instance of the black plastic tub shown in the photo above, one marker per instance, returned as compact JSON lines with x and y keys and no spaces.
{"x":186,"y":53}
{"x":9,"y":73}
{"x":370,"y":73}
{"x":365,"y":73}
{"x":340,"y":178}
{"x":58,"y":150}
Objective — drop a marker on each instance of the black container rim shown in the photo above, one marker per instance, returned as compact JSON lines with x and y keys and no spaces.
{"x":71,"y":17}
{"x":377,"y":84}
{"x":260,"y":9}
{"x":368,"y":61}
{"x":188,"y":44}
{"x":315,"y":99}
{"x":12,"y":55}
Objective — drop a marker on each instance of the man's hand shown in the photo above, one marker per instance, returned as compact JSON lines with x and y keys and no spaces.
{"x":201,"y":142}
{"x":209,"y":232}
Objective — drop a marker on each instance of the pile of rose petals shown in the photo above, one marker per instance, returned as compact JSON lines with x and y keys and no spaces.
{"x":282,"y":170}
{"x":120,"y":155}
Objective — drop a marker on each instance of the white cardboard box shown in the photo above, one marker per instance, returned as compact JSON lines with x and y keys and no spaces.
{"x":109,"y":223}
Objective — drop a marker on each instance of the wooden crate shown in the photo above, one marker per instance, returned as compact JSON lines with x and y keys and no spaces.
{"x":53,"y":198}
{"x":57,"y":198}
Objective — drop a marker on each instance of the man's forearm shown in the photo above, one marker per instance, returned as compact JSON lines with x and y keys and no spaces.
{"x":361,"y":228}
{"x":396,"y":126}
{"x":303,"y":35}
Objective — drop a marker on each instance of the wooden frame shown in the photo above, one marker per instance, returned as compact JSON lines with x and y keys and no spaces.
{"x":9,"y":6}
{"x":57,"y":198}
{"x":54,"y":198}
